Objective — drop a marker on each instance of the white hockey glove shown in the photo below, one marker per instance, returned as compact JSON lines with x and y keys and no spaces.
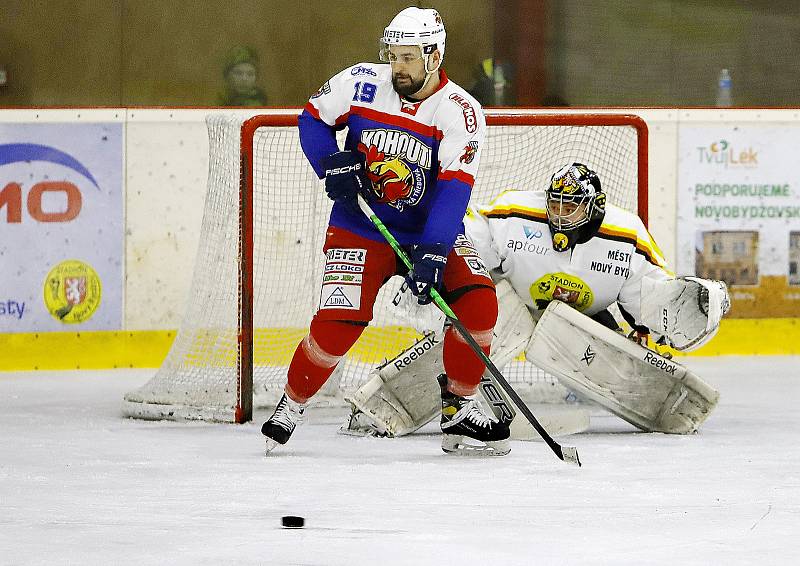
{"x":425,"y":319}
{"x":685,"y":310}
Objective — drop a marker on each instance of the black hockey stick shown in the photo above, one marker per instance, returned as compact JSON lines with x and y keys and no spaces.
{"x":568,"y":454}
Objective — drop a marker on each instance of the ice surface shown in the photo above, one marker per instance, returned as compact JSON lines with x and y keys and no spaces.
{"x":81,"y":485}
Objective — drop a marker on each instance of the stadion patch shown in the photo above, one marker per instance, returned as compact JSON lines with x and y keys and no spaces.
{"x":335,"y":296}
{"x":72,"y":291}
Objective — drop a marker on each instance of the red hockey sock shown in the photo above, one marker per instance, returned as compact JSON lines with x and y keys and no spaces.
{"x":477,"y":311}
{"x":317,"y":355}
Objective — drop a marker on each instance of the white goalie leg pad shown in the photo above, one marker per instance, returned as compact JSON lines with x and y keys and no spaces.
{"x":512,"y":333}
{"x":513,"y":328}
{"x":686,"y":310}
{"x":651,"y":392}
{"x":403,"y":394}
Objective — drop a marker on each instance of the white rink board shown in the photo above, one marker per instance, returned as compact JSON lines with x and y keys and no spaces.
{"x":165,"y":179}
{"x":80,"y":485}
{"x":162,"y":243}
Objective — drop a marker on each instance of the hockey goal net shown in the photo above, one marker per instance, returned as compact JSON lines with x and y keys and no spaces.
{"x":259,"y":265}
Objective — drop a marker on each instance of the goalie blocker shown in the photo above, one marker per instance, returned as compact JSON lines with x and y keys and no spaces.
{"x":647,"y":390}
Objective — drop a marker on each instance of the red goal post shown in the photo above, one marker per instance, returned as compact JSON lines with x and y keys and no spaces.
{"x":214,"y":372}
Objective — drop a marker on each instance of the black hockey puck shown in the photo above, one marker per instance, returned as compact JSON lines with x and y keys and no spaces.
{"x":292,"y":522}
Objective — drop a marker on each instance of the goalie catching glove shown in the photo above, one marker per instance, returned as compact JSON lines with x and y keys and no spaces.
{"x":686,"y":311}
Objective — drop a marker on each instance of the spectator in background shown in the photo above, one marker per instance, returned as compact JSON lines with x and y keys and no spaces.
{"x":483,"y":87}
{"x":492,"y":86}
{"x":240,"y":73}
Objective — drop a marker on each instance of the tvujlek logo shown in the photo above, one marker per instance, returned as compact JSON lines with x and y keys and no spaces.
{"x":11,"y":194}
{"x":722,"y":152}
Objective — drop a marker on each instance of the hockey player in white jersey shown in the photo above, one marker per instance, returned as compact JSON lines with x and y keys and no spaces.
{"x":561,"y":248}
{"x":412,"y":150}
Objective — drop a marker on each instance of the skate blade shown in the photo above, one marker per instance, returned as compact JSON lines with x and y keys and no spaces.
{"x":454,"y":444}
{"x":362,"y":432}
{"x":271,"y":444}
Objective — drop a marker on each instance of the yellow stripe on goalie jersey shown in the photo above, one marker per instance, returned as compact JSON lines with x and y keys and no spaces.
{"x":497,"y":197}
{"x":514,"y":211}
{"x":649,"y":249}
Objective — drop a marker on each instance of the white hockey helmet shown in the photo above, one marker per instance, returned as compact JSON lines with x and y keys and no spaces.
{"x":415,"y":26}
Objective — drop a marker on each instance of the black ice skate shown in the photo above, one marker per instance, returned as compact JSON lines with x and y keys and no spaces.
{"x":463,"y":418}
{"x":280,"y":426}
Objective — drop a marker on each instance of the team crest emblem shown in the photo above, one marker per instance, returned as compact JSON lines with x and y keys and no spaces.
{"x":561,"y":287}
{"x":469,"y":152}
{"x":568,"y":180}
{"x":560,"y":241}
{"x":566,"y":184}
{"x":393,"y":180}
{"x":72,"y":292}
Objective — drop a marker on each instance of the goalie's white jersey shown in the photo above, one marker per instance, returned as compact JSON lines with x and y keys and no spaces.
{"x":512,"y":236}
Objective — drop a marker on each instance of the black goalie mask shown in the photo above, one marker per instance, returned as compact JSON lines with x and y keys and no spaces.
{"x":575,"y":206}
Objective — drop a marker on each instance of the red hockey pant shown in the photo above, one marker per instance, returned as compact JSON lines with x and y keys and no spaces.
{"x":355,"y":270}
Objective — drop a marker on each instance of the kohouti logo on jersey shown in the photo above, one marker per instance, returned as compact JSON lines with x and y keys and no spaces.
{"x":393,"y":179}
{"x":72,"y":291}
{"x":399,"y":144}
{"x":561,"y":287}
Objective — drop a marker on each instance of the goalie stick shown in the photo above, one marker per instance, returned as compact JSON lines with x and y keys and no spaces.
{"x":567,"y":454}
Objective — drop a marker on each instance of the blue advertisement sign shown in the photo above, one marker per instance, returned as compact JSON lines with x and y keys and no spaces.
{"x":61,"y":226}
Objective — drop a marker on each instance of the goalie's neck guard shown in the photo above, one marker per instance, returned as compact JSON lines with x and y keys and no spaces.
{"x":564,"y":240}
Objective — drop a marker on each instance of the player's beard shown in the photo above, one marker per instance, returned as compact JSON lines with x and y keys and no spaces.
{"x":407,"y":87}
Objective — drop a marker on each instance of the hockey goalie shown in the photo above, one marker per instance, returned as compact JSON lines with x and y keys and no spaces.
{"x":561,"y":258}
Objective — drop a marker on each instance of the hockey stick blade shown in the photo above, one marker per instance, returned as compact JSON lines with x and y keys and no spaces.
{"x":570,"y":455}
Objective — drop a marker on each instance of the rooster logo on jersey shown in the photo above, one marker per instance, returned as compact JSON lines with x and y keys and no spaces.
{"x":393,"y":181}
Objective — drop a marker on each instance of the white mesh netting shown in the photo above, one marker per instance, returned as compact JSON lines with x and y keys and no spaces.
{"x":198,"y":379}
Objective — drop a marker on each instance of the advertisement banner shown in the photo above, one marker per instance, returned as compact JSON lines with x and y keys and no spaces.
{"x":739,"y":214}
{"x":61,"y":226}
